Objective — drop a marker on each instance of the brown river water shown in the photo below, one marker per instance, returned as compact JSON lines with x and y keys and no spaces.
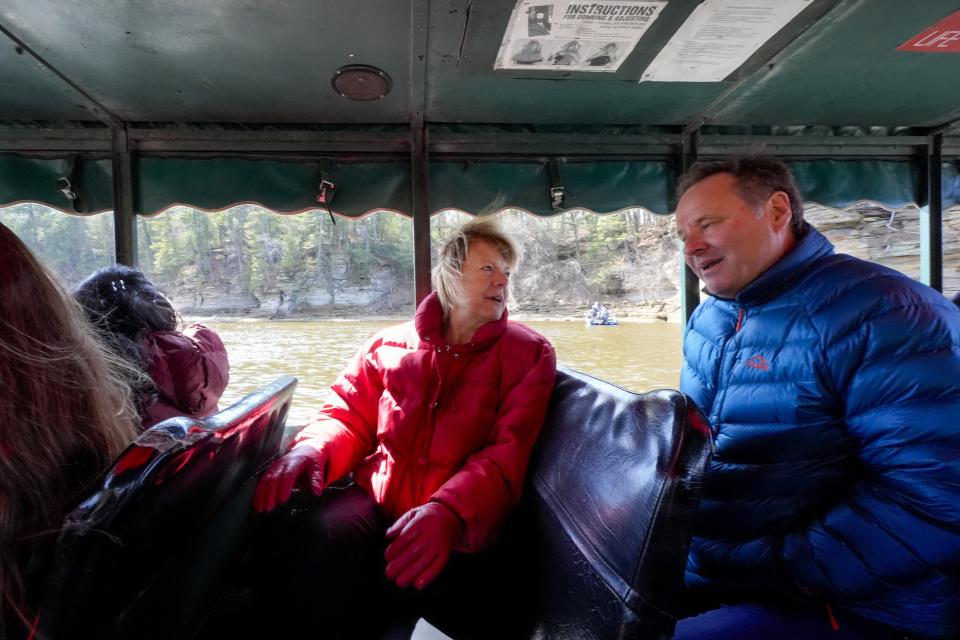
{"x":639,"y":356}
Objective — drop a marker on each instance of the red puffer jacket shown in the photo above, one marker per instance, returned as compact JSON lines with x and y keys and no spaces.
{"x":190,"y":371}
{"x":417,"y":419}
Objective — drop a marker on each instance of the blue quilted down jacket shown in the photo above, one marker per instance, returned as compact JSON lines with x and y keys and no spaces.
{"x":833,"y":389}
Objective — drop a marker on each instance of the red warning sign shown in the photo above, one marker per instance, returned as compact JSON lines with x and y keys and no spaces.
{"x":943,"y":37}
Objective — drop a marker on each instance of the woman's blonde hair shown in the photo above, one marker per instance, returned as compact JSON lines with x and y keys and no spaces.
{"x":453,"y":252}
{"x":64,"y":416}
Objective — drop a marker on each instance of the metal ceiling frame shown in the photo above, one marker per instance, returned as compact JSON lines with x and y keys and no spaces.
{"x":307,"y":143}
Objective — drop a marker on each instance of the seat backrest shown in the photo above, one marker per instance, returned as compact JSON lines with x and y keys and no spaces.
{"x":147,"y":552}
{"x":598,"y":546}
{"x":614,"y":489}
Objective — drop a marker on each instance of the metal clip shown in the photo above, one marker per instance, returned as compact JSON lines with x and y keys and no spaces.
{"x":66,"y":189}
{"x":558,"y":192}
{"x":326,"y":189}
{"x":69,"y":184}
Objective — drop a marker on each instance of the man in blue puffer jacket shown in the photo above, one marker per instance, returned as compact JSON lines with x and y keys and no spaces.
{"x":831,"y":508}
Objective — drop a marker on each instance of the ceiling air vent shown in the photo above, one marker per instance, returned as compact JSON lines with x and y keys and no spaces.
{"x":361,"y":82}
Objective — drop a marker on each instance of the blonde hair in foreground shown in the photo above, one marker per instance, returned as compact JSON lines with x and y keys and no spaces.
{"x":453,"y":252}
{"x":64,"y":417}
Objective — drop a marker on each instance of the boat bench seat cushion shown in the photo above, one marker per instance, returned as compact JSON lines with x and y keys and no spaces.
{"x":598,"y":546}
{"x":145,"y":555}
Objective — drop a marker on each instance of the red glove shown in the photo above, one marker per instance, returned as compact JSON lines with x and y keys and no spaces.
{"x":302,"y":465}
{"x":422,"y":539}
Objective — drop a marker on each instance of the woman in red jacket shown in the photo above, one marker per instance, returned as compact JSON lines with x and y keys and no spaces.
{"x":185,"y":371}
{"x":435,"y":419}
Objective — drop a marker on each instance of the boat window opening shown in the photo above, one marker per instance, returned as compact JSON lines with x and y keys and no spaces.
{"x":249,"y":262}
{"x":72,"y":245}
{"x":335,"y":284}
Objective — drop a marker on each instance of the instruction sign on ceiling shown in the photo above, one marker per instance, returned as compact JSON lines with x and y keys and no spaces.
{"x":718,"y":37}
{"x":574,"y":36}
{"x":943,"y":37}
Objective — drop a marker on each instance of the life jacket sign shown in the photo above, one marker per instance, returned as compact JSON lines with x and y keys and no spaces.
{"x":565,"y":35}
{"x":943,"y":37}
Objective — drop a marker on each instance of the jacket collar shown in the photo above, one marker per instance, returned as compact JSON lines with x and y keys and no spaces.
{"x":812,"y":246}
{"x":428,"y":322}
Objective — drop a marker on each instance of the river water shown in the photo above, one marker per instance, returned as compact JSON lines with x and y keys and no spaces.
{"x":639,"y":356}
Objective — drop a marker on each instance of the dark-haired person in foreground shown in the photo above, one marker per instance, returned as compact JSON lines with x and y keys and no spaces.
{"x":436,"y":420}
{"x":185,"y":372}
{"x":831,"y":508}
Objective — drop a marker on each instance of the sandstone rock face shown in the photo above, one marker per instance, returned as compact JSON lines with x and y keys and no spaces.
{"x":890,"y":238}
{"x":637,"y":276}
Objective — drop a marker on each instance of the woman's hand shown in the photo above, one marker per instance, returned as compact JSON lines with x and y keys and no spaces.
{"x":302,"y":465}
{"x":421,"y":542}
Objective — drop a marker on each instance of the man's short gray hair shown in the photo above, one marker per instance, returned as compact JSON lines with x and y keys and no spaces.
{"x":756,"y":178}
{"x":453,"y":253}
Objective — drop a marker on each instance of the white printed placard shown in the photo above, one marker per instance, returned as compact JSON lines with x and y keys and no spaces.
{"x":718,"y":37}
{"x":574,"y":36}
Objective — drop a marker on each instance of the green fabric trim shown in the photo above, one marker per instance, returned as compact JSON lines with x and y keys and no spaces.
{"x":475,"y":187}
{"x":25,"y":179}
{"x":284,"y":187}
{"x":840,"y":183}
{"x":602,"y":187}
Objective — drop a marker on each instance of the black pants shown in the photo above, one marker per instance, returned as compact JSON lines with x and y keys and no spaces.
{"x":321,"y":570}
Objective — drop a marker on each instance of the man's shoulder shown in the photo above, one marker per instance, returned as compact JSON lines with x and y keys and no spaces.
{"x":841,"y":275}
{"x":842,"y":291}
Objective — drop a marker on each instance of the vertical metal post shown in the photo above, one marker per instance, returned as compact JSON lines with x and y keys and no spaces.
{"x":689,"y":283}
{"x":931,"y":224}
{"x":419,"y":160}
{"x":124,"y":217}
{"x":420,"y":169}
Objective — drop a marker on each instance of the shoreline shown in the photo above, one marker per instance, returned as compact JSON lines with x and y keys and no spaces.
{"x":673,"y":318}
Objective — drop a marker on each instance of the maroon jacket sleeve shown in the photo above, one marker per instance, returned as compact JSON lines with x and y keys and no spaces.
{"x":190,"y":369}
{"x":491,"y":481}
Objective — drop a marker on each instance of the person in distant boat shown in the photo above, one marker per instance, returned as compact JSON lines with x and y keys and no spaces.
{"x":831,"y":505}
{"x":186,"y":371}
{"x":594,"y":314}
{"x":65,"y":414}
{"x":435,"y":419}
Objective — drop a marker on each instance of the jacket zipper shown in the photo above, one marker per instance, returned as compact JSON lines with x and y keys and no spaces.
{"x":718,"y":401}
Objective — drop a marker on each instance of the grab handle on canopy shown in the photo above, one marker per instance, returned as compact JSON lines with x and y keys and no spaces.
{"x":327,"y":188}
{"x":67,"y":184}
{"x":558,"y":193}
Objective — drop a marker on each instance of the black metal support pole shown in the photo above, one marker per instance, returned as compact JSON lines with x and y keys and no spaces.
{"x":124,"y":217}
{"x":689,"y":283}
{"x":420,"y":166}
{"x":931,"y":225}
{"x":419,"y":149}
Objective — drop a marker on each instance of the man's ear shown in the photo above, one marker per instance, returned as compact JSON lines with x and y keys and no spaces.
{"x":778,"y":208}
